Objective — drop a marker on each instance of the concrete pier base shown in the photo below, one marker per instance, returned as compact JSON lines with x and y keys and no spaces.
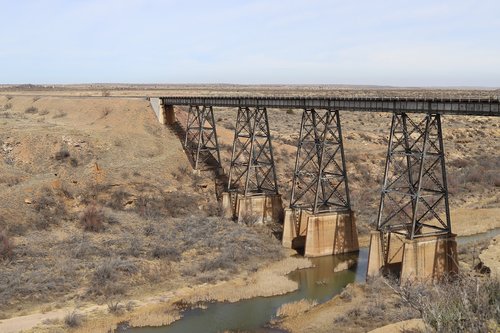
{"x":427,"y":258}
{"x":164,"y":113}
{"x":263,"y":208}
{"x":228,"y":204}
{"x":168,"y":115}
{"x":320,"y":234}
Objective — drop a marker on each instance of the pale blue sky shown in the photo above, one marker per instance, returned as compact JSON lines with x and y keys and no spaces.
{"x":406,"y":43}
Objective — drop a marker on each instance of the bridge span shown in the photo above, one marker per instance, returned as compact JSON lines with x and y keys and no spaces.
{"x":466,"y":106}
{"x":413,"y":231}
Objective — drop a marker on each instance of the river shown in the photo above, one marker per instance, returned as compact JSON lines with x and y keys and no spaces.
{"x":318,"y":283}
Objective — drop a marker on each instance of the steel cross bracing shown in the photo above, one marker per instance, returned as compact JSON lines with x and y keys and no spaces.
{"x":252,"y":168}
{"x":201,"y":136}
{"x":457,"y":106}
{"x":320,"y":179}
{"x":414,"y":199}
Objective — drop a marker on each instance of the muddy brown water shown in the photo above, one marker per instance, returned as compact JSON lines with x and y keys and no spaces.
{"x":319,"y":283}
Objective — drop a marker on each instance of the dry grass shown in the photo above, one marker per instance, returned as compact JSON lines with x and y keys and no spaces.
{"x":31,"y":110}
{"x":466,"y":304}
{"x":266,"y":282}
{"x":73,"y":319}
{"x":148,"y":315}
{"x":292,"y":309}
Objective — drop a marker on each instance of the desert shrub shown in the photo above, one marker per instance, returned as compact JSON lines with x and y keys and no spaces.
{"x":49,"y":209}
{"x":93,"y":218}
{"x":249,"y":219}
{"x":354,"y":313}
{"x":8,"y":106}
{"x":374,"y":312}
{"x":73,"y":319}
{"x":17,"y":229}
{"x":73,"y":162}
{"x":466,"y":304}
{"x":290,"y":111}
{"x":167,"y":205}
{"x":59,"y":114}
{"x":166,"y":251}
{"x":340,"y":319}
{"x":211,"y":277}
{"x":118,"y":199}
{"x":6,"y":245}
{"x":104,"y":272}
{"x":459,"y":163}
{"x":105,"y":112}
{"x":134,"y":245}
{"x":80,"y":247}
{"x":151,"y":208}
{"x":44,"y":112}
{"x":10,"y":180}
{"x":345,"y":295}
{"x":214,"y":208}
{"x":115,"y":307}
{"x":62,"y":154}
{"x":221,"y":262}
{"x":31,"y":110}
{"x":105,"y":279}
{"x":149,"y":230}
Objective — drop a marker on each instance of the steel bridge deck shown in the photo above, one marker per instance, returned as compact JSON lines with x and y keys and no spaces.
{"x":454,"y":106}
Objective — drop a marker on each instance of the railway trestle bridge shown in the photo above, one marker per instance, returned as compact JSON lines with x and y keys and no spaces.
{"x":414,"y":230}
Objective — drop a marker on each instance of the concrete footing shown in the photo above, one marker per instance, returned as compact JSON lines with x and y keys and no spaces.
{"x":426,"y":258}
{"x":320,"y":234}
{"x":168,"y":115}
{"x":262,"y":208}
{"x":164,"y":113}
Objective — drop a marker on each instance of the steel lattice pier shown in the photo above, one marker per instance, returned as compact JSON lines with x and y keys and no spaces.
{"x":320,"y":179}
{"x":414,"y":199}
{"x":201,"y":137}
{"x":252,"y":169}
